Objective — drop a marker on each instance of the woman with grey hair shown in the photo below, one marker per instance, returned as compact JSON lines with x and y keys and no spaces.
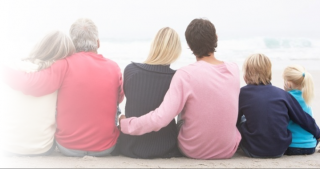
{"x":27,"y":122}
{"x":89,"y":88}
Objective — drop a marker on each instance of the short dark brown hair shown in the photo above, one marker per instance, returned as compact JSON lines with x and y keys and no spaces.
{"x":201,"y":37}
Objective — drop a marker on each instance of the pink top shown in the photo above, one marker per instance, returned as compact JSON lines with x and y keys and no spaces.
{"x":89,"y":88}
{"x":207,"y":96}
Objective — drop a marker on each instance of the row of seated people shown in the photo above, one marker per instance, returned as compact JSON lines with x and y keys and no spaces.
{"x":65,"y":95}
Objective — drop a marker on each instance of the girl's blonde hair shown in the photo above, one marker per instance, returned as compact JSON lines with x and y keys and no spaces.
{"x":54,"y":46}
{"x":257,"y":69}
{"x":165,"y":48}
{"x":300,"y":79}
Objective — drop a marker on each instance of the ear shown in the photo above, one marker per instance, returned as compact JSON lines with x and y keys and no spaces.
{"x":98,"y":42}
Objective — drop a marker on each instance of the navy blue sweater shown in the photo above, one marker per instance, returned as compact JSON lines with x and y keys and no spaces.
{"x":267,"y":110}
{"x":144,"y":87}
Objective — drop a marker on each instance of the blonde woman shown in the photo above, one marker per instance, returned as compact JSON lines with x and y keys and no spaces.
{"x":145,"y":85}
{"x":265,"y":111}
{"x":298,"y":82}
{"x":205,"y":93}
{"x":27,"y":122}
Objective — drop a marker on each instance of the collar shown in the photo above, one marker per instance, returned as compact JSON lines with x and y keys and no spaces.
{"x":155,"y":68}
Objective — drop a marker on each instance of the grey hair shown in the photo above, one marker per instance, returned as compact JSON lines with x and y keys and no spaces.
{"x":54,"y":46}
{"x":84,"y":34}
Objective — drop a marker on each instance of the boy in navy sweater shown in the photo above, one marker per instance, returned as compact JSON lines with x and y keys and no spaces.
{"x":265,"y":111}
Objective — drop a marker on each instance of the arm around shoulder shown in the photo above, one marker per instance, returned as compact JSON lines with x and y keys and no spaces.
{"x":38,"y":83}
{"x":302,"y":118}
{"x":171,"y":106}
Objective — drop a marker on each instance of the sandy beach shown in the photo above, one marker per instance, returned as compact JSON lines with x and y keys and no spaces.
{"x":57,"y":160}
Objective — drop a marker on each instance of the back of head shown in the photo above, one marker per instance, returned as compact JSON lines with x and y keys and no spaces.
{"x":165,"y":47}
{"x":257,"y":69}
{"x":300,"y":79}
{"x":54,"y":46}
{"x":201,"y":37}
{"x":84,"y":35}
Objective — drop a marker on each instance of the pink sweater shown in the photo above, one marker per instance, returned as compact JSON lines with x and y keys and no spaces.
{"x":207,"y":96}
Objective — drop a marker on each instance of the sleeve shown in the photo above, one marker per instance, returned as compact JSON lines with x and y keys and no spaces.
{"x":121,"y":93}
{"x":39,"y":83}
{"x":240,"y":113}
{"x":172,"y":105}
{"x":298,"y":116}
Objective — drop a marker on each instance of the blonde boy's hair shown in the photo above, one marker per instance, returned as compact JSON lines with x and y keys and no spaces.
{"x":165,"y":48}
{"x":257,"y":69}
{"x":54,"y":46}
{"x":301,"y":79}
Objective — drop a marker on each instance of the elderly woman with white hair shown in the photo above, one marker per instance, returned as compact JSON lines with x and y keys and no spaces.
{"x":89,"y":89}
{"x":28,"y":122}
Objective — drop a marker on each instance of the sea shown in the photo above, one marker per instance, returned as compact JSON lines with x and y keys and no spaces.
{"x":281,"y":51}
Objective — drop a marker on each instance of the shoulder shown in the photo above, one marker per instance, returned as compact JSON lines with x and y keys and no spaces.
{"x":113,"y":63}
{"x":232,"y":65}
{"x":61,"y":63}
{"x":130,"y":67}
{"x":280,"y":91}
{"x":264,"y":89}
{"x":189,"y":69}
{"x":233,"y":68}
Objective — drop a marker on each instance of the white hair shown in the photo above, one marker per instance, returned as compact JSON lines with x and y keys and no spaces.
{"x":84,"y":34}
{"x":54,"y":46}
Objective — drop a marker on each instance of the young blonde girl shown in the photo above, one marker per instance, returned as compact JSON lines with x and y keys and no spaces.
{"x":267,"y":110}
{"x":298,"y":82}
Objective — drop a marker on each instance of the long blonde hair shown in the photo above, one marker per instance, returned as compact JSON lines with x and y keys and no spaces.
{"x":300,"y":79}
{"x":54,"y":46}
{"x":165,"y":48}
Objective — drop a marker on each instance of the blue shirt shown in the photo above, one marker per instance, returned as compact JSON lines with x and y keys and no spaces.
{"x":300,"y":137}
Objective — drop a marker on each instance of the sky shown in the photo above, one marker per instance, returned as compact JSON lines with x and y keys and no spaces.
{"x":24,"y":22}
{"x":139,"y":19}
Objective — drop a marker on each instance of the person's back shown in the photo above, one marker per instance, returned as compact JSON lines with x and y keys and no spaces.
{"x":210,"y":114}
{"x":145,"y":85}
{"x":265,"y":131}
{"x":28,"y":123}
{"x":299,"y":83}
{"x":87,"y":102}
{"x":300,"y":137}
